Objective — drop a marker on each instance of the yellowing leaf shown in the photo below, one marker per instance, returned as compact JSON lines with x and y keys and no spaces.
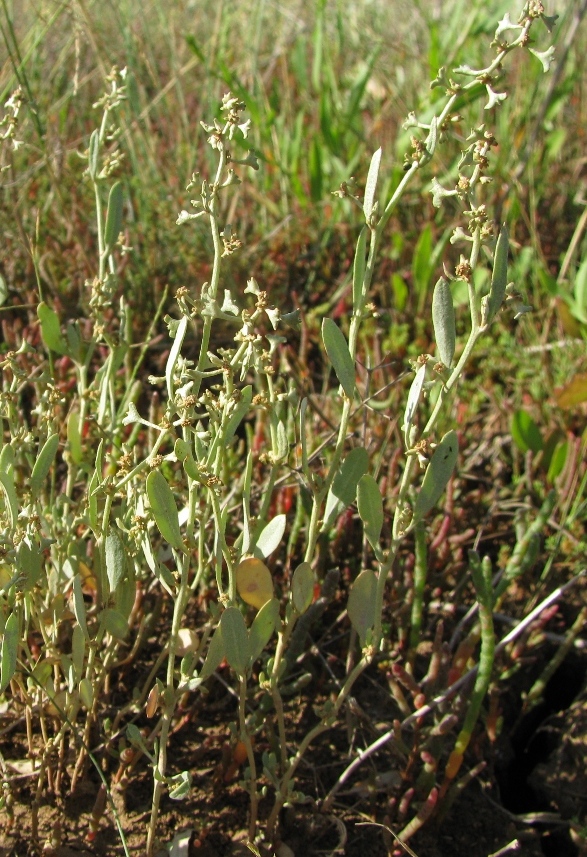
{"x":88,"y":579}
{"x":574,"y":393}
{"x":569,"y":324}
{"x":253,"y":582}
{"x":6,"y":575}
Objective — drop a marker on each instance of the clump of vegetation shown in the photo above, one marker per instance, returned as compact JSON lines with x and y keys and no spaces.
{"x":214,"y":497}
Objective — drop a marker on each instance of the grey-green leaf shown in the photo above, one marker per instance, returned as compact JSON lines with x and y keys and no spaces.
{"x":443,"y":319}
{"x":359,"y":270}
{"x":74,"y":438}
{"x":430,"y":142}
{"x":115,"y":559}
{"x":370,"y":507}
{"x":263,"y":627}
{"x":236,"y":640}
{"x":9,"y":651}
{"x":164,"y":508}
{"x":239,"y":413}
{"x":215,"y":654}
{"x":437,"y":474}
{"x":361,"y":606}
{"x":413,"y":401}
{"x":181,"y":449}
{"x":114,"y":622}
{"x":93,"y":515}
{"x":182,"y":327}
{"x":79,"y":606}
{"x":7,"y":461}
{"x":302,"y":587}
{"x":135,"y":737}
{"x":78,"y":650}
{"x":93,"y":152}
{"x":74,"y":342}
{"x":270,"y":537}
{"x":3,"y":290}
{"x":86,"y":692}
{"x":339,"y":355}
{"x":43,"y":463}
{"x":499,"y":277}
{"x":113,"y":216}
{"x":29,"y":562}
{"x":9,"y":491}
{"x":371,"y":184}
{"x":180,"y":785}
{"x":125,"y":594}
{"x":51,"y":329}
{"x":281,"y":448}
{"x":159,"y":570}
{"x":344,"y":486}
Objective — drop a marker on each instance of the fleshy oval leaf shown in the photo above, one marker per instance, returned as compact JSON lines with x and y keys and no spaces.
{"x":79,"y":605}
{"x":370,"y":507}
{"x":361,"y":606}
{"x":239,"y":413}
{"x":525,"y":432}
{"x":344,"y":486}
{"x":164,"y":508}
{"x":179,"y":786}
{"x":302,"y":587}
{"x":236,"y":640}
{"x":215,"y":654}
{"x":359,"y":269}
{"x":180,"y":331}
{"x":254,"y":582}
{"x":78,"y":651}
{"x":113,"y":216}
{"x":125,"y":594}
{"x":430,"y":142}
{"x":86,"y":692}
{"x":114,"y":622}
{"x":437,"y":474}
{"x":557,"y":460}
{"x":413,"y":400}
{"x":339,"y":355}
{"x":29,"y":563}
{"x":93,"y":152}
{"x":371,"y":184}
{"x":51,"y":329}
{"x":115,"y":559}
{"x":9,"y":491}
{"x":281,"y":446}
{"x":499,"y":277}
{"x":9,"y":655}
{"x":271,"y":536}
{"x":181,"y":449}
{"x":263,"y":627}
{"x":74,"y":438}
{"x":443,"y":319}
{"x":43,"y":463}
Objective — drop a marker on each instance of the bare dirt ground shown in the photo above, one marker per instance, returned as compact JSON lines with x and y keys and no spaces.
{"x":529,"y":795}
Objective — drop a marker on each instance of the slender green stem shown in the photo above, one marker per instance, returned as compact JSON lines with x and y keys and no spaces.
{"x":326,"y":722}
{"x":170,"y":700}
{"x":246,"y":738}
{"x":321,"y":493}
{"x":281,"y":648}
{"x":420,"y":575}
{"x":481,"y":573}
